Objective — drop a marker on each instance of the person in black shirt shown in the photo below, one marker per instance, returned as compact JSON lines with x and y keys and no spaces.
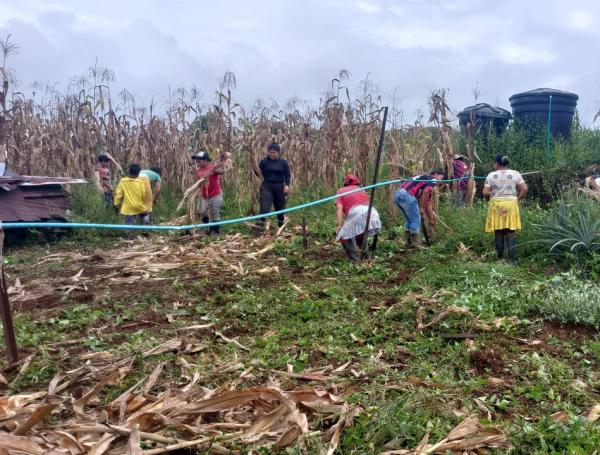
{"x":276,"y":182}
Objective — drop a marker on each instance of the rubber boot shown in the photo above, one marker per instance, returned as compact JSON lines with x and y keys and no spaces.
{"x":351,"y":250}
{"x":373,"y":245}
{"x":407,"y":238}
{"x":205,"y":219}
{"x":215,"y":230}
{"x":415,"y":240}
{"x":511,"y":243}
{"x":499,"y":240}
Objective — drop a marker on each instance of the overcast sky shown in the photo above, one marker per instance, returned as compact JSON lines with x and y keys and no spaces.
{"x":281,"y":48}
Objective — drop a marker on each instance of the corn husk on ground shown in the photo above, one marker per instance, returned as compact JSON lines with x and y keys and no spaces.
{"x":163,"y":417}
{"x":145,"y":261}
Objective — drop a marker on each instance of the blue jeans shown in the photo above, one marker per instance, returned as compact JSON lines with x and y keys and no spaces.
{"x":143,"y":218}
{"x":108,"y":199}
{"x":409,"y":206}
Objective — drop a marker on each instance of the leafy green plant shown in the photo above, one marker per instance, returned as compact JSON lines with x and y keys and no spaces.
{"x":566,"y":298}
{"x":572,"y":231}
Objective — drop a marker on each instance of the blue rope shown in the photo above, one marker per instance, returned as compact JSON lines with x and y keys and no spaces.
{"x":38,"y":224}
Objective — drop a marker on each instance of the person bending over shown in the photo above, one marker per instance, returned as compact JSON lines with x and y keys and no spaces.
{"x":353,"y":208}
{"x":414,"y":199}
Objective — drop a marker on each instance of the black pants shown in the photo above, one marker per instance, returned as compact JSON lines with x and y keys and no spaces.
{"x":505,"y":237}
{"x":272,"y":194}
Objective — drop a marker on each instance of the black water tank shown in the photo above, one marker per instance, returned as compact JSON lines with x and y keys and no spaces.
{"x":531,"y":109}
{"x":483,"y":115}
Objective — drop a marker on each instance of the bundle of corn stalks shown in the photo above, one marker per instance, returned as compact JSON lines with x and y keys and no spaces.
{"x":439,"y":117}
{"x":177,"y":417}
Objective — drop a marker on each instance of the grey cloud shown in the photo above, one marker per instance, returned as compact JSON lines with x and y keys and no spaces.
{"x":278,"y":49}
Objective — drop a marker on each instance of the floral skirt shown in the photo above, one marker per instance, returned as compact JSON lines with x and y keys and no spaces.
{"x":356,"y":222}
{"x":503,"y":213}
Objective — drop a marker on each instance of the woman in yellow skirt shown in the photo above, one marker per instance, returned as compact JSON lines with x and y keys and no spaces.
{"x":505,"y":188}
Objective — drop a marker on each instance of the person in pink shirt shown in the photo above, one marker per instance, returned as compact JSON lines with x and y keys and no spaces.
{"x":211,"y":194}
{"x":460,"y":171}
{"x":351,"y":216}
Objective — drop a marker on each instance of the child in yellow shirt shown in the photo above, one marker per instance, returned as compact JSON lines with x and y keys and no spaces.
{"x":133,"y":196}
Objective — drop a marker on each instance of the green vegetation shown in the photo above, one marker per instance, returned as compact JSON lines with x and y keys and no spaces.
{"x":321,"y":310}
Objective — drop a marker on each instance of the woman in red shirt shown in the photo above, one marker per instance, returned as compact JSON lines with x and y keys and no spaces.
{"x":354,"y":207}
{"x":211,"y":195}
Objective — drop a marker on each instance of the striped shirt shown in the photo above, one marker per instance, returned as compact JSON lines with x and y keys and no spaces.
{"x":418,"y":184}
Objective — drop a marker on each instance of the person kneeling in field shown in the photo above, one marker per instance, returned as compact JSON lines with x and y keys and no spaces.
{"x":133,"y":196}
{"x":211,"y":195}
{"x":354,"y":208}
{"x":414,"y":200}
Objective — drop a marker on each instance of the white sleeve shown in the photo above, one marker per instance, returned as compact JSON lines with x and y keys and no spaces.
{"x":488,"y":180}
{"x":519,"y":178}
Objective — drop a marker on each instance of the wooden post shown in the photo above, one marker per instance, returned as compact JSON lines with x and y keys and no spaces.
{"x":304,"y":234}
{"x":5,"y":313}
{"x":375,"y":177}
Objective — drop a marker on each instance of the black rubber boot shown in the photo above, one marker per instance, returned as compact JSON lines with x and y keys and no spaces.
{"x":351,"y":250}
{"x":205,"y":219}
{"x":499,"y":239}
{"x":511,"y":243}
{"x":373,"y":246}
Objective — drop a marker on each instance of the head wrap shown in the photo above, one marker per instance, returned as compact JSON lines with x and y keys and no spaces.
{"x":351,"y":179}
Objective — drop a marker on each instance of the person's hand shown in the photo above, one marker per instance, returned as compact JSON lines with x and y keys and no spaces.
{"x":286,"y":189}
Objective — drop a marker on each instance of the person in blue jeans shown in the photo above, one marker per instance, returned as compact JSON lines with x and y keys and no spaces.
{"x":413,"y":198}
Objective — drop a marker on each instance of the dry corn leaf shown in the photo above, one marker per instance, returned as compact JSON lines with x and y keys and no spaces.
{"x":167,"y":346}
{"x":453,"y":309}
{"x":594,"y":413}
{"x":133,"y":445}
{"x":559,"y":417}
{"x":268,"y":270}
{"x":81,"y":402}
{"x":20,"y":444}
{"x":38,"y":414}
{"x":231,"y":341}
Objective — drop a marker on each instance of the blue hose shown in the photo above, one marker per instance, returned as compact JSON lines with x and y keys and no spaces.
{"x":39,"y":224}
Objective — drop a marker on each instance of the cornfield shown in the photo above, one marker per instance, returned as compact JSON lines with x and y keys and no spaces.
{"x":60,"y":134}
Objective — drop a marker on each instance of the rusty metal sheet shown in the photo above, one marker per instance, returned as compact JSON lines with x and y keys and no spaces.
{"x":39,"y":205}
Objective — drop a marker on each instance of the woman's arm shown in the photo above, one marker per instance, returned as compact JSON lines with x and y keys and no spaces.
{"x":156,"y":191}
{"x":287,"y":176}
{"x":339,"y":215}
{"x":522,"y":191}
{"x":428,"y":206}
